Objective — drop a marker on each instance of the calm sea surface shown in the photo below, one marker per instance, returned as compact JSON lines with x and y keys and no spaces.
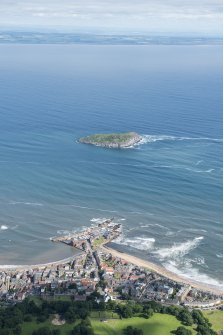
{"x":167,"y":192}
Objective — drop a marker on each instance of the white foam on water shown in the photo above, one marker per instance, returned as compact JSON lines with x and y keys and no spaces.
{"x":98,"y":220}
{"x":155,"y":138}
{"x":199,"y":171}
{"x":146,"y":225}
{"x":209,"y":171}
{"x":63,"y":232}
{"x":142,"y":225}
{"x":140,"y":243}
{"x":88,"y":208}
{"x":4,"y":227}
{"x":195,"y":230}
{"x":199,"y":261}
{"x":25,"y":203}
{"x":192,"y":273}
{"x":219,"y":255}
{"x":161,"y":226}
{"x":199,"y":162}
{"x":170,"y":233}
{"x":178,"y":249}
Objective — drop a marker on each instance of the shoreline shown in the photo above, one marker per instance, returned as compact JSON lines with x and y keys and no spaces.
{"x":39,"y":266}
{"x":159,"y":269}
{"x":162,"y":271}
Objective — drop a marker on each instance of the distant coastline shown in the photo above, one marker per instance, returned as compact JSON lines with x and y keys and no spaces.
{"x":37,"y":37}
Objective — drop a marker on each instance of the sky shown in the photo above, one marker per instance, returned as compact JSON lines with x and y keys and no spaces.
{"x":201,"y":17}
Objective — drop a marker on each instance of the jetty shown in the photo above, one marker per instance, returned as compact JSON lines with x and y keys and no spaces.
{"x":97,"y":235}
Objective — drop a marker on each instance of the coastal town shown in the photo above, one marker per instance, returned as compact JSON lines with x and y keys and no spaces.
{"x":96,"y":271}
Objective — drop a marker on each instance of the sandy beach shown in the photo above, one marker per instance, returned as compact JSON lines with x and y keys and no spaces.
{"x":15,"y":268}
{"x":163,"y":272}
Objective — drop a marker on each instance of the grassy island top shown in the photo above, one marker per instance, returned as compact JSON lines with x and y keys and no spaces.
{"x":115,"y":138}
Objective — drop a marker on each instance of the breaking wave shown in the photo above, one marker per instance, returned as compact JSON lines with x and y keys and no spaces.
{"x":3,"y":227}
{"x":190,"y":272}
{"x":63,"y":232}
{"x":178,"y":249}
{"x":140,"y":243}
{"x":173,"y":259}
{"x":98,"y":220}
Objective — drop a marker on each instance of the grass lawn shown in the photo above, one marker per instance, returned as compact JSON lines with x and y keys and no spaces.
{"x":98,"y":242}
{"x":158,"y":324}
{"x":216,"y":318}
{"x":29,"y":327}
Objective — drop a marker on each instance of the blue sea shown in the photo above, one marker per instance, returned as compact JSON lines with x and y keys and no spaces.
{"x":167,"y":191}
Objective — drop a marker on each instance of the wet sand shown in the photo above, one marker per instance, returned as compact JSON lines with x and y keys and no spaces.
{"x":14,"y":268}
{"x":163,"y":272}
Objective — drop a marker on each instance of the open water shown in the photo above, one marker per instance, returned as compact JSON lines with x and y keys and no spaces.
{"x":167,"y":191}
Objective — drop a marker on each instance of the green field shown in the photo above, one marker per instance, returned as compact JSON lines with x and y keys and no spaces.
{"x":29,"y":327}
{"x":158,"y":324}
{"x":216,"y":318}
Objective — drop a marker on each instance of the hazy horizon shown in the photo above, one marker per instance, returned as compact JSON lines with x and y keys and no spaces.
{"x":202,"y":18}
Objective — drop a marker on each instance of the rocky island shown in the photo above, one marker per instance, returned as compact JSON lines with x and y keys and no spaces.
{"x":116,"y":140}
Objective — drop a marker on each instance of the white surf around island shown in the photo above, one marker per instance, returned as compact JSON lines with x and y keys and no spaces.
{"x":152,"y":138}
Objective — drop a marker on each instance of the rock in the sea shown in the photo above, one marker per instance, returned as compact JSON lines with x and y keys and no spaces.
{"x":116,"y":140}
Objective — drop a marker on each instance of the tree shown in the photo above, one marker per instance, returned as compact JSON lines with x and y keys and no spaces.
{"x":70,"y":315}
{"x":132,"y":331}
{"x":84,"y":328}
{"x":28,"y":318}
{"x":56,"y":332}
{"x":42,"y":318}
{"x":42,"y":331}
{"x":205,"y":330}
{"x":125,"y":311}
{"x":183,"y":331}
{"x":5,"y":332}
{"x":17,"y":330}
{"x":185,"y":317}
{"x":173,"y":310}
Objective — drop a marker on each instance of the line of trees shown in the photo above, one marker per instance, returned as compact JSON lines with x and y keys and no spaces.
{"x":12,"y":318}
